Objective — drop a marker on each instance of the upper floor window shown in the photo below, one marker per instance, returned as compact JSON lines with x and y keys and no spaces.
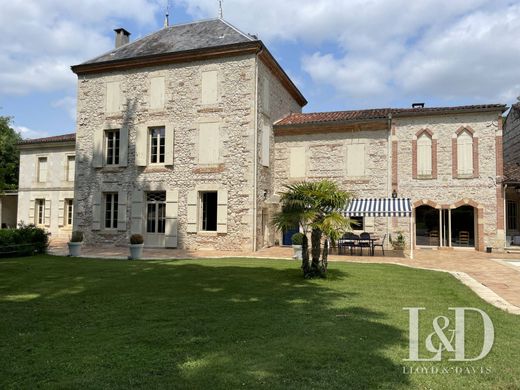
{"x":112,"y":147}
{"x":71,"y":167}
{"x":356,"y":160}
{"x":113,"y":97}
{"x":465,"y":153}
{"x":209,"y":143}
{"x":42,"y":169}
{"x":157,"y":93}
{"x":424,"y":155}
{"x":209,"y":87}
{"x":111,"y":204}
{"x":69,"y":211}
{"x":157,"y":145}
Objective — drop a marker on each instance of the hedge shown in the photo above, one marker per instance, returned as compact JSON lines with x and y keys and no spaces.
{"x":25,"y":240}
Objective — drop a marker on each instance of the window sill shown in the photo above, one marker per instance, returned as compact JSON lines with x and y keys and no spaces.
{"x":111,"y":168}
{"x":425,"y":177}
{"x":154,"y":168}
{"x":466,"y":176}
{"x":210,"y":168}
{"x":207,"y":233}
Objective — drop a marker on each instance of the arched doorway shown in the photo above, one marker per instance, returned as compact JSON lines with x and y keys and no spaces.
{"x":463,"y":226}
{"x":427,"y":226}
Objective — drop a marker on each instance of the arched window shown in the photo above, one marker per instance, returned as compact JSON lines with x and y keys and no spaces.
{"x":464,"y":153}
{"x":424,"y":155}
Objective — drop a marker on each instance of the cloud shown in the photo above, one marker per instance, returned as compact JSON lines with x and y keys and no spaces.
{"x":67,"y":103}
{"x":387,"y":51}
{"x":28,"y":133}
{"x":41,"y":39}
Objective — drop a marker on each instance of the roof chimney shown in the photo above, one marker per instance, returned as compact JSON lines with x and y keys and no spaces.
{"x":122,"y":37}
{"x":417,"y":105}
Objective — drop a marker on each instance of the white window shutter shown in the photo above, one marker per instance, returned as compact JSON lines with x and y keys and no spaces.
{"x":123,"y":146}
{"x":465,"y":154}
{"x":168,"y":141}
{"x":424,"y":155}
{"x":32,"y":206}
{"x":137,"y":212}
{"x":96,"y":211}
{"x":121,"y":210}
{"x":209,"y":143}
{"x":209,"y":87}
{"x":266,"y":132}
{"x":97,"y":156}
{"x":222,"y":208}
{"x":47,"y":212}
{"x":265,"y":95}
{"x":113,"y":97}
{"x":172,"y":211}
{"x":157,"y":93}
{"x":356,"y":160}
{"x":192,"y":212}
{"x":297,"y":162}
{"x":61,"y":213}
{"x":141,"y":146}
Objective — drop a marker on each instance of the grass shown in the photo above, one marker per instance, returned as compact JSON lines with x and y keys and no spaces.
{"x":228,"y":323}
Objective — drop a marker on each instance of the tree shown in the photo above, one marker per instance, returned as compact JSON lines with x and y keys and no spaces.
{"x":9,"y":155}
{"x":314,"y":206}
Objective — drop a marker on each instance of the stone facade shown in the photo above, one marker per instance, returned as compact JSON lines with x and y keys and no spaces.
{"x":237,"y":111}
{"x":55,"y":191}
{"x":390,"y":164}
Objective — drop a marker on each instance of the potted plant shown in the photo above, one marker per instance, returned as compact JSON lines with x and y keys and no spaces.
{"x":75,"y":243}
{"x":399,"y":243}
{"x":136,"y":246}
{"x":297,"y":240}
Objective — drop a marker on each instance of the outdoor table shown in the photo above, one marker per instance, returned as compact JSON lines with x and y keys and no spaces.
{"x":357,"y":242}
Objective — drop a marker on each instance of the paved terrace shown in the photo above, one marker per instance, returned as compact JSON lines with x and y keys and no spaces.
{"x":490,"y":275}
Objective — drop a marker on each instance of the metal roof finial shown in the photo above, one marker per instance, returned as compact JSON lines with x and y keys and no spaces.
{"x":166,"y":16}
{"x":220,"y":12}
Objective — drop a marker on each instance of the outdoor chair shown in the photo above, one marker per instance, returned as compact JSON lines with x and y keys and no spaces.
{"x":381,"y":244}
{"x":464,"y":238}
{"x":434,"y":238}
{"x":349,"y":240}
{"x":364,"y":242}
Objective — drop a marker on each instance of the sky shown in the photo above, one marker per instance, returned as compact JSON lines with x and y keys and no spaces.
{"x":342,"y":54}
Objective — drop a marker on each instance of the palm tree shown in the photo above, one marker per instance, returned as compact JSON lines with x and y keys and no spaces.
{"x":314,"y":206}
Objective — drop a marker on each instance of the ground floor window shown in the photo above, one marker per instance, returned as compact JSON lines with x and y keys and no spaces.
{"x":111,"y":203}
{"x":208,"y":214}
{"x":69,"y":211}
{"x":40,"y":211}
{"x":155,"y":212}
{"x":358,"y":223}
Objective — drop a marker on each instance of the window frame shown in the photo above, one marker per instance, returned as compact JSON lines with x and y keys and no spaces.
{"x":159,"y":215}
{"x":69,"y":212}
{"x":113,"y":159}
{"x":68,"y":171}
{"x":39,"y":170}
{"x":158,"y":139}
{"x":512,"y":215}
{"x":40,"y":212}
{"x":203,"y":211}
{"x":110,"y":199}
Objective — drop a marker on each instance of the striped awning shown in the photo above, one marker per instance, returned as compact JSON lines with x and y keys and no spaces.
{"x":378,"y":207}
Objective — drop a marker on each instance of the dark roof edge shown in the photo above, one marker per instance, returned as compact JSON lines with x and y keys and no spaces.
{"x":166,"y":58}
{"x":328,"y":123}
{"x":410,"y":113}
{"x":64,"y":138}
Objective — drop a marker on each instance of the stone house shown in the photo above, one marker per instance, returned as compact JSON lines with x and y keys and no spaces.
{"x":46,"y":184}
{"x":446,"y":160}
{"x":188,"y":135}
{"x":174,"y":137}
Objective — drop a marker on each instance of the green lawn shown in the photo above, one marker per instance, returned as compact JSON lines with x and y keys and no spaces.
{"x":228,"y":323}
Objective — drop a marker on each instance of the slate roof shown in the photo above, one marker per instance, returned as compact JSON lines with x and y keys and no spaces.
{"x":178,"y":38}
{"x":512,"y":172}
{"x":46,"y":140}
{"x":296,"y":119}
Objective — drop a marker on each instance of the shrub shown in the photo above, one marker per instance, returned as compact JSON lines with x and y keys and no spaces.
{"x":25,"y":240}
{"x":297,"y":238}
{"x":136,"y":239}
{"x":77,"y":236}
{"x":399,"y":243}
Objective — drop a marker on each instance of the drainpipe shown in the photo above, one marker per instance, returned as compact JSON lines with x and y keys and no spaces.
{"x":505,"y":216}
{"x":389,"y":169}
{"x":255,"y":152}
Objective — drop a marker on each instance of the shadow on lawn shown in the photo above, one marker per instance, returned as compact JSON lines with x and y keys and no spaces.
{"x":192,"y":325}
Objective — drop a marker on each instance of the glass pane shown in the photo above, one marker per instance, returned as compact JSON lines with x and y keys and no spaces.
{"x":150,"y":218}
{"x":161,"y":218}
{"x":116,"y":147}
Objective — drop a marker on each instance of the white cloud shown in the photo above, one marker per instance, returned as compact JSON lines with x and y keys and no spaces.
{"x":382,"y":51}
{"x":41,"y":39}
{"x":27,"y":133}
